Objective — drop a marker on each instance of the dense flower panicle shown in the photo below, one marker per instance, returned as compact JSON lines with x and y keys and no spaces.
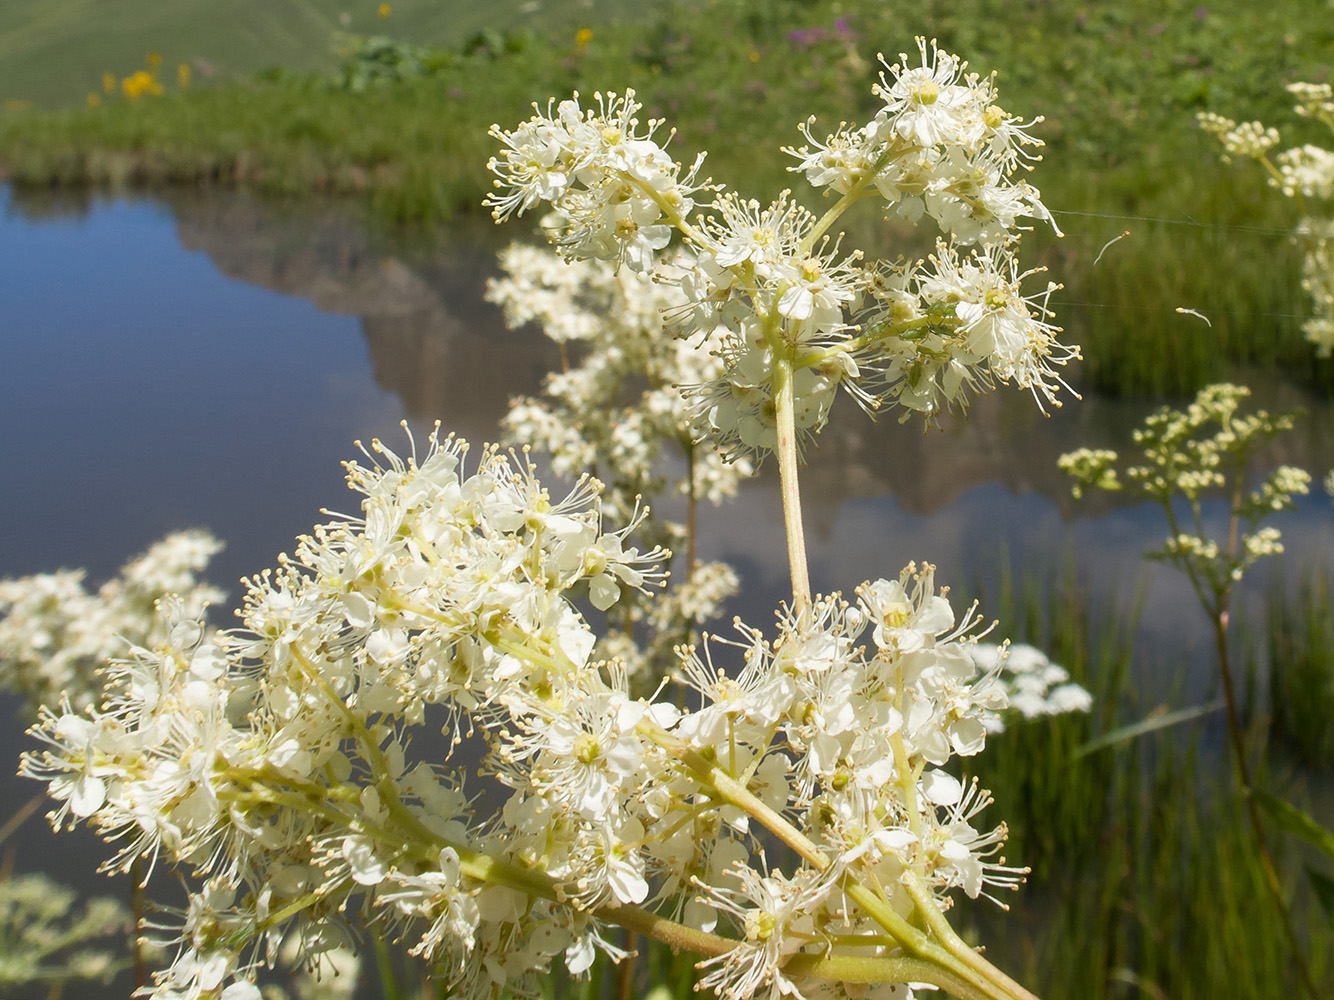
{"x":617,"y":191}
{"x":1251,"y":139}
{"x":1305,"y":173}
{"x":768,"y":289}
{"x":447,"y":589}
{"x":55,"y":635}
{"x":1307,"y":170}
{"x":1314,"y":100}
{"x":620,"y":401}
{"x":617,"y":409}
{"x":1205,"y":448}
{"x":1004,"y":335}
{"x":940,"y":146}
{"x":273,"y":760}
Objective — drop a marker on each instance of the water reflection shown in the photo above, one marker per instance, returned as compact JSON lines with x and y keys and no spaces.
{"x":209,"y":360}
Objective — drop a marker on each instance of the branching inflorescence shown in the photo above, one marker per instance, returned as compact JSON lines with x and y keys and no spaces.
{"x":274,"y":761}
{"x":1305,"y":173}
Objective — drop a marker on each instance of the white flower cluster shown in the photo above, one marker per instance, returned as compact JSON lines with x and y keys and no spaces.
{"x":1307,"y":170}
{"x":1249,"y":139}
{"x":787,"y":307}
{"x":1206,"y":447}
{"x":274,"y":761}
{"x":55,"y":635}
{"x":617,"y":189}
{"x":1302,"y":172}
{"x":940,"y":146}
{"x":1317,"y":235}
{"x":1314,"y":100}
{"x":1034,"y":686}
{"x":616,"y":410}
{"x":620,"y":407}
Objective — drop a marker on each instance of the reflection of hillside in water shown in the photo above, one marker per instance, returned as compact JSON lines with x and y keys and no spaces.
{"x":445,"y":352}
{"x":432,"y":339}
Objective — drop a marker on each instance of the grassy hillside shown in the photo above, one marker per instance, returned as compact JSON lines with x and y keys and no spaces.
{"x":54,"y":52}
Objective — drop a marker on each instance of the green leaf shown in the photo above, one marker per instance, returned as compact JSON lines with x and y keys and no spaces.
{"x":1323,"y":888}
{"x":1292,"y":819}
{"x":1155,"y":720}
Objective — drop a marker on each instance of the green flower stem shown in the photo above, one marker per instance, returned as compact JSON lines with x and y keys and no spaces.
{"x":1220,"y":623}
{"x":951,"y":956}
{"x":786,"y":427}
{"x":674,"y":218}
{"x":855,"y":193}
{"x":957,"y":947}
{"x":847,"y":968}
{"x":1214,"y":594}
{"x":908,"y":776}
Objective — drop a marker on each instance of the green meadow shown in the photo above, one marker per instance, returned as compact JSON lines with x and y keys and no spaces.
{"x":54,"y":52}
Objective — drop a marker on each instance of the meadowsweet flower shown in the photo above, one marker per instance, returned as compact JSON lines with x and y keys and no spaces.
{"x":273,"y":761}
{"x":1302,"y":172}
{"x":55,"y":635}
{"x":773,"y":290}
{"x":1205,"y":448}
{"x":274,"y":765}
{"x":772,"y":911}
{"x":602,"y":172}
{"x":620,"y":413}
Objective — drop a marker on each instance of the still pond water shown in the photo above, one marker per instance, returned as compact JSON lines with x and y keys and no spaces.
{"x":208,"y":361}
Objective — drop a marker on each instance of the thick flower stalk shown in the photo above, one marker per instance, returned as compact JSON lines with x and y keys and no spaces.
{"x":797,"y":316}
{"x":1304,"y":173}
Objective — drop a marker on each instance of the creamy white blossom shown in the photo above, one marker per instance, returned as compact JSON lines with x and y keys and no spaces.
{"x":772,"y":294}
{"x":275,"y":764}
{"x":1305,"y":173}
{"x":55,"y":635}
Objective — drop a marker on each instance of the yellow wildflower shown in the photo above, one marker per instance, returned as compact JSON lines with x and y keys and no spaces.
{"x":139,"y":83}
{"x":384,"y":10}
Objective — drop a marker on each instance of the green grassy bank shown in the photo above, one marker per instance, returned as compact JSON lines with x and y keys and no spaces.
{"x":54,"y":52}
